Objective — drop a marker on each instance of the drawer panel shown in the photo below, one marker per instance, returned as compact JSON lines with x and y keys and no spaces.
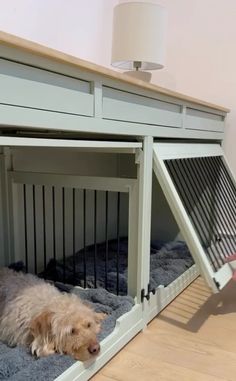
{"x":205,"y":121}
{"x":125,"y":106}
{"x":27,"y":86}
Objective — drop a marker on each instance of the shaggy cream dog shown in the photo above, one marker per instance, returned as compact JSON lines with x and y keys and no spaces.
{"x":34,"y":313}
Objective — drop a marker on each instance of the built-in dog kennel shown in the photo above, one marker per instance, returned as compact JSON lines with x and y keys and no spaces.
{"x":76,"y":228}
{"x":73,"y":221}
{"x":109,"y":188}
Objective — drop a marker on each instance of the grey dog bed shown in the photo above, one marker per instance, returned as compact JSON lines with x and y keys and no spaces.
{"x":17,"y":364}
{"x":167,"y":262}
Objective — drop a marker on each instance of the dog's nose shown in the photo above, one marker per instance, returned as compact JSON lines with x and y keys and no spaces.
{"x":94,"y":349}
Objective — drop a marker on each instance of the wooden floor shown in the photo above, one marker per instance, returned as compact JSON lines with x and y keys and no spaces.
{"x":193,"y":339}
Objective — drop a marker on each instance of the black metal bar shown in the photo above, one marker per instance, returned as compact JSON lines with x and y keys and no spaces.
{"x":199,"y":183}
{"x":212,"y":193}
{"x":179,"y":176}
{"x":201,"y":193}
{"x":84,"y":223}
{"x":190,"y":173}
{"x":201,"y":202}
{"x":44,"y":229}
{"x":203,"y":187}
{"x":35,"y":236}
{"x":54,"y":222}
{"x":222,"y":211}
{"x":25,"y":222}
{"x":229,"y":197}
{"x":73,"y":233}
{"x":118,"y":245}
{"x":220,"y":219}
{"x":186,"y":196}
{"x":106,"y":239}
{"x":229,"y":191}
{"x":231,"y":185}
{"x":95,"y":238}
{"x":63,"y":235}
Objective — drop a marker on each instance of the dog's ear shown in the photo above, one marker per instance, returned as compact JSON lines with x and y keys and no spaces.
{"x":41,"y":324}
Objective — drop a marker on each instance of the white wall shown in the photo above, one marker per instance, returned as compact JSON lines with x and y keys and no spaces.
{"x":201,"y":56}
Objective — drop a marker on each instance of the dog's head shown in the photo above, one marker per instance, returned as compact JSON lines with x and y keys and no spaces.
{"x":72,"y":330}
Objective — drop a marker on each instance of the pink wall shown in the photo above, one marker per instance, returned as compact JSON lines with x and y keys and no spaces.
{"x":78,"y":27}
{"x":201,"y":57}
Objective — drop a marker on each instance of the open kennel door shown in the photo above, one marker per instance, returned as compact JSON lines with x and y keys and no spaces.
{"x":201,"y":192}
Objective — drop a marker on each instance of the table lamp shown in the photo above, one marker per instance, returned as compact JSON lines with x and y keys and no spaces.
{"x":138,"y":42}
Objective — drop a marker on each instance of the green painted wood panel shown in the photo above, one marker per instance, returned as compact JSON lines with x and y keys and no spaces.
{"x":125,"y":106}
{"x":22,"y":117}
{"x":205,"y":121}
{"x":27,"y":86}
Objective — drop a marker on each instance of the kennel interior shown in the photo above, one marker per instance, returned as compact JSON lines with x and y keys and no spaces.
{"x":70,"y":225}
{"x":72,"y":219}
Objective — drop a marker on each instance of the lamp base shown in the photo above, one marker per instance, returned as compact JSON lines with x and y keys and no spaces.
{"x":139,"y":74}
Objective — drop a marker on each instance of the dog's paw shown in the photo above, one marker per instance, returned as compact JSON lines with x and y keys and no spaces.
{"x":42,"y":350}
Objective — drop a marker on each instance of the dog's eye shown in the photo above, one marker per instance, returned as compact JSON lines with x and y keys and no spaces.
{"x":89,"y":325}
{"x":73,"y":331}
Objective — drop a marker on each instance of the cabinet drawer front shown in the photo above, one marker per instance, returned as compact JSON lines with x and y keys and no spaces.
{"x":121,"y":105}
{"x":201,"y":120}
{"x":26,"y":86}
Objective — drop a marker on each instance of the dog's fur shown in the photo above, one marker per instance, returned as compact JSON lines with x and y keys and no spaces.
{"x":34,"y":313}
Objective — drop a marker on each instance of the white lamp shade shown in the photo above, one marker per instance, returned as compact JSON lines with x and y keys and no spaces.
{"x":139,"y":31}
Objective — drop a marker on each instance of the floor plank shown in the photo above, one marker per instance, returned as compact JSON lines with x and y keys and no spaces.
{"x":102,"y":377}
{"x":134,"y":367}
{"x":194,"y":338}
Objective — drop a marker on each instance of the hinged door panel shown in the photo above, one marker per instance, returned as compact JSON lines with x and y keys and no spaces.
{"x":201,"y":192}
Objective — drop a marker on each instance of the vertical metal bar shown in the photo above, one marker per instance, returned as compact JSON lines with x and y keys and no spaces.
{"x":220,"y":206}
{"x":198,"y":190}
{"x":196,"y":218}
{"x":106,"y":233}
{"x":229,"y":189}
{"x":95,"y":238}
{"x":25,"y":222}
{"x":222,"y":211}
{"x":73,"y":233}
{"x":186,"y":197}
{"x":63,"y":235}
{"x":231,"y":185}
{"x":202,"y":201}
{"x":35,"y":236}
{"x":84,"y":257}
{"x":53,"y":222}
{"x":118,"y":245}
{"x":203,"y":187}
{"x":44,"y":229}
{"x":229,"y":197}
{"x":189,"y":201}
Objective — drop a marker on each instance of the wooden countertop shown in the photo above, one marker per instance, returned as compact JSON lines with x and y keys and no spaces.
{"x":57,"y":56}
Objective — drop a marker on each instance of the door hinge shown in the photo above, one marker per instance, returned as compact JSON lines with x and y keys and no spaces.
{"x":149,"y":291}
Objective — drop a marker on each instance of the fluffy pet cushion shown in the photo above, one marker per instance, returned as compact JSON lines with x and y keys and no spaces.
{"x":17,"y":364}
{"x":167,"y":262}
